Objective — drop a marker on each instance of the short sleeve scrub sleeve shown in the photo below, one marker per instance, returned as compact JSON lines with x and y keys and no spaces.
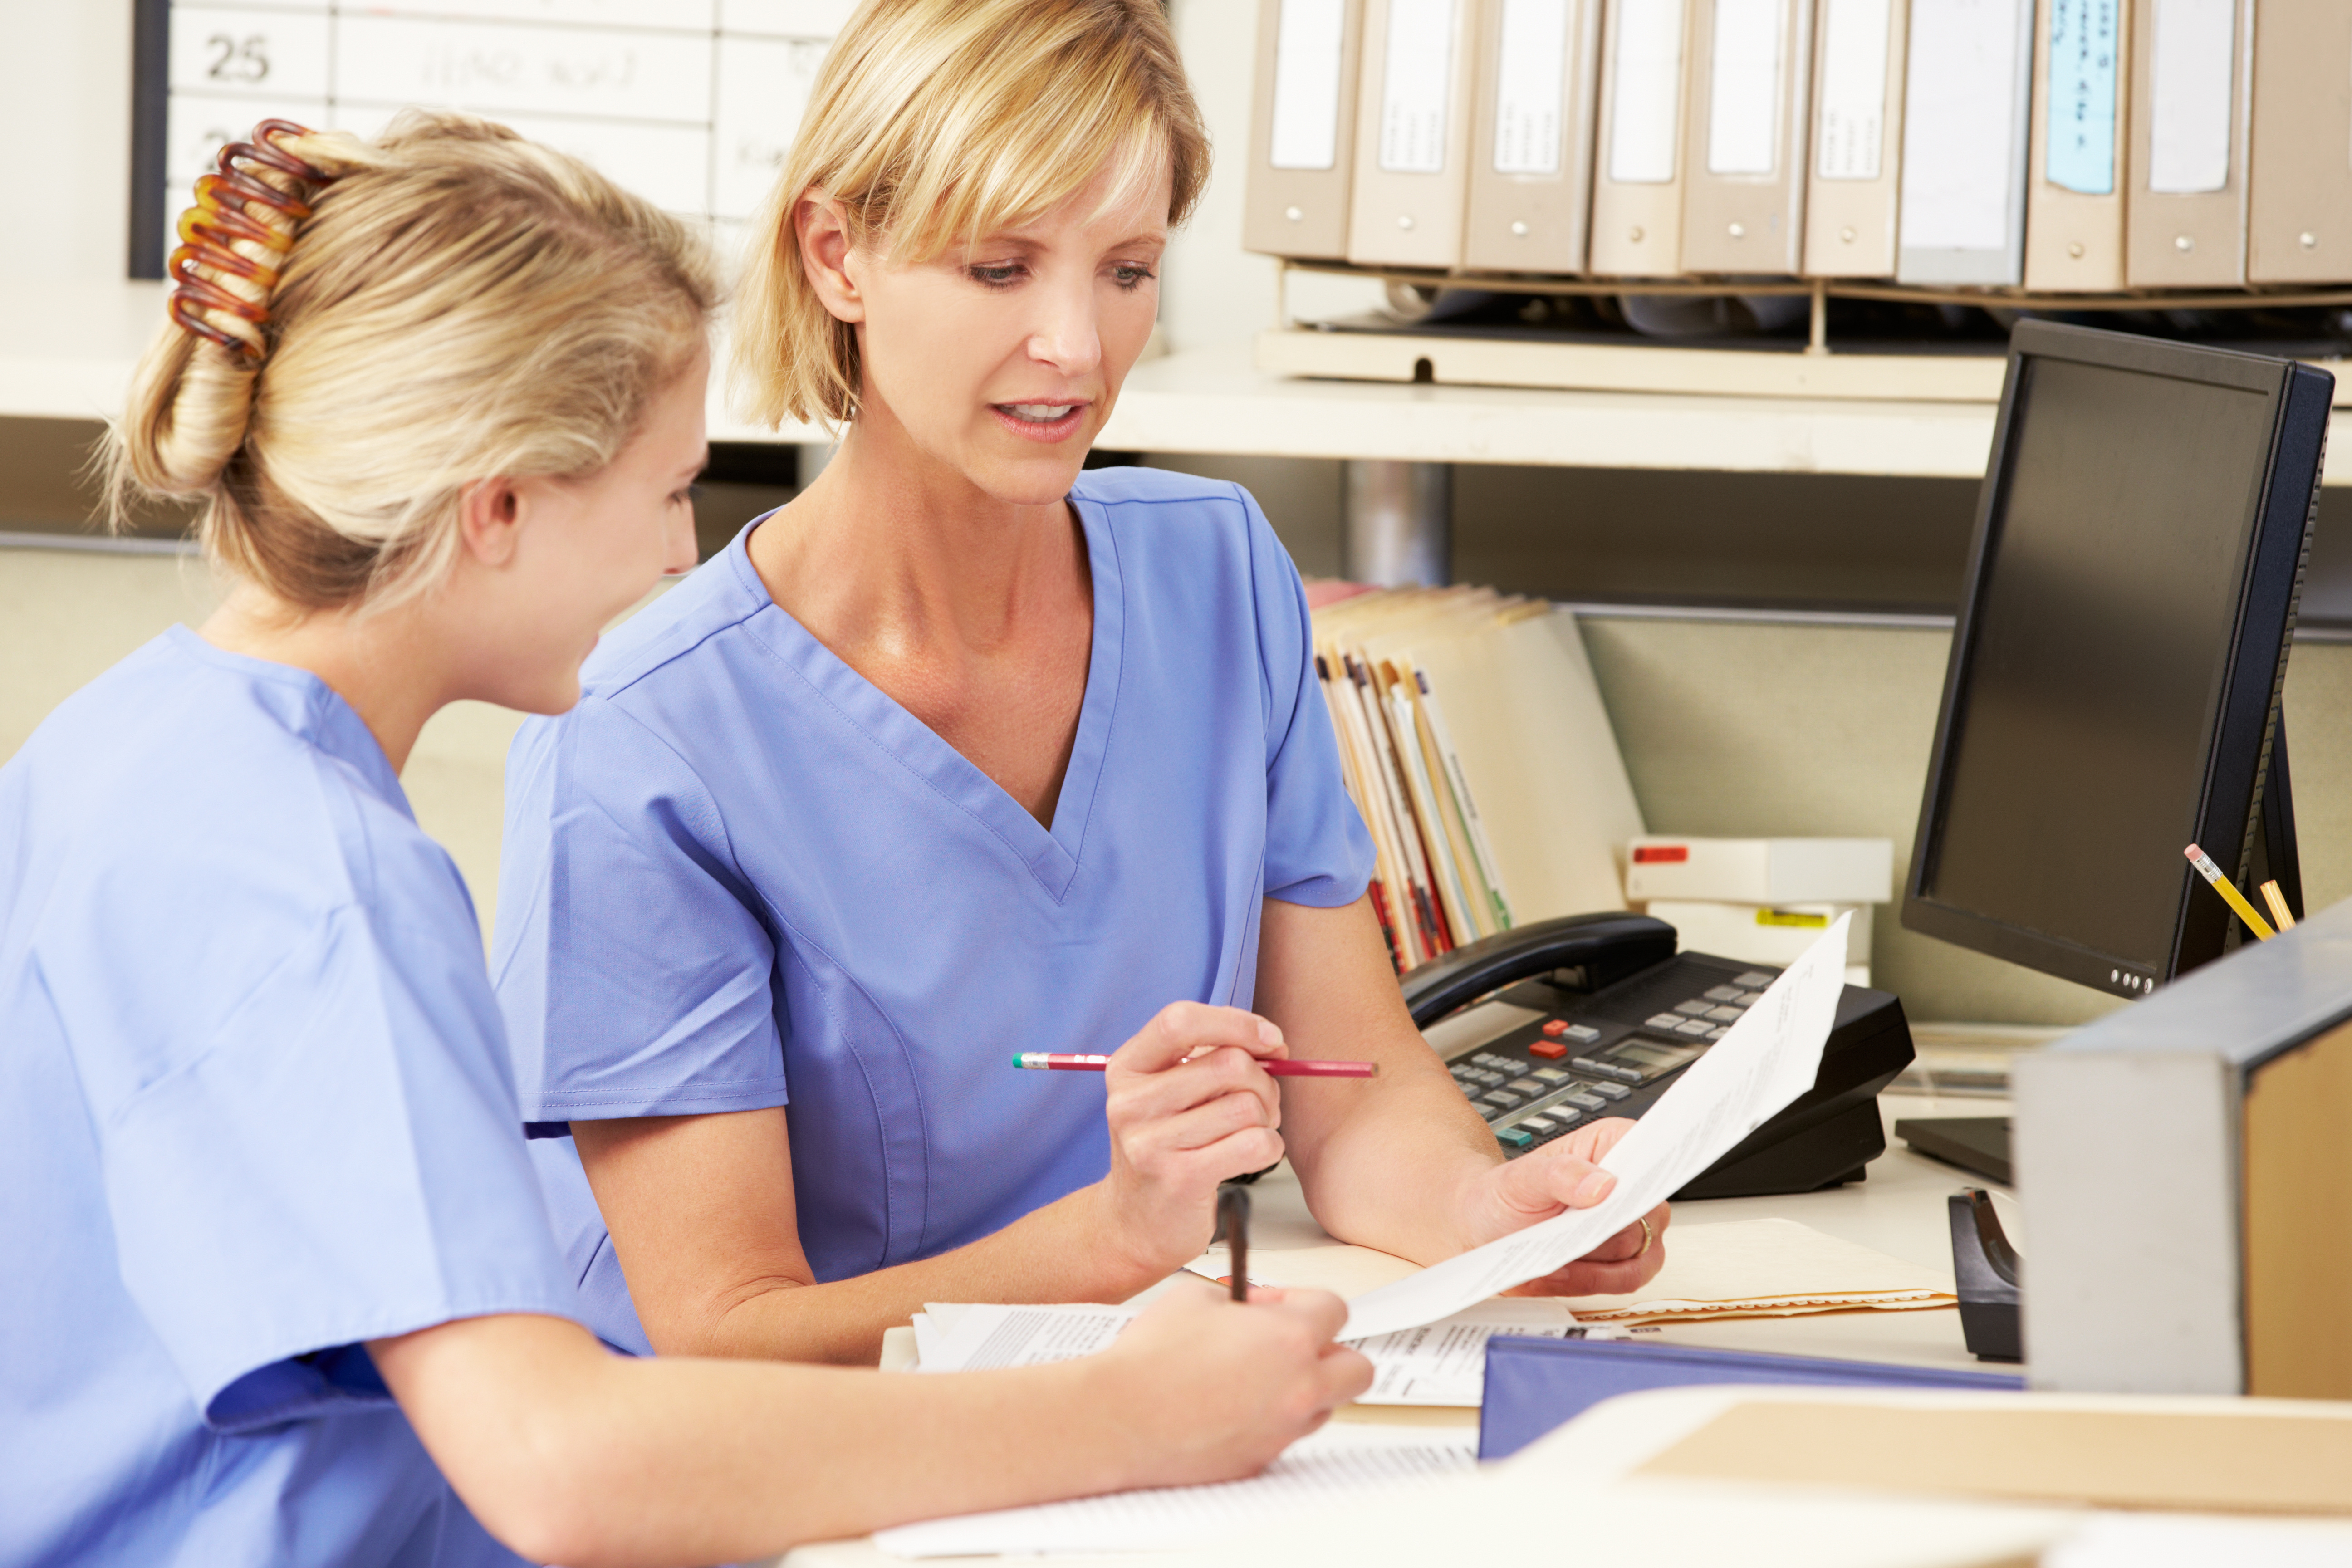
{"x":738,"y":876}
{"x":256,"y":1110}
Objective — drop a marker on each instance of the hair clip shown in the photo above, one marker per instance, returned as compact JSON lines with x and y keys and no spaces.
{"x":220,"y":216}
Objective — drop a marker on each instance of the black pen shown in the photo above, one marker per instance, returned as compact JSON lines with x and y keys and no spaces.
{"x":1232,"y":1222}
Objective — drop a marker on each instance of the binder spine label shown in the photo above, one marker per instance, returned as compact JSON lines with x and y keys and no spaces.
{"x":1415,"y":79}
{"x":2192,"y":60}
{"x":1853,"y":126}
{"x":2084,"y":67}
{"x":1646,"y":68}
{"x":1743,"y":117}
{"x":1959,"y":128}
{"x":1533,"y":55}
{"x":1307,"y":85}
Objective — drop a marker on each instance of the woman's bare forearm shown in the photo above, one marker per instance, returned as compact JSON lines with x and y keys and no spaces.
{"x":1382,"y":1164}
{"x":571,"y":1454}
{"x":1052,"y":1254}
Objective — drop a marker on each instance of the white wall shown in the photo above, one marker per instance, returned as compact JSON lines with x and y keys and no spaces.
{"x":67,"y":113}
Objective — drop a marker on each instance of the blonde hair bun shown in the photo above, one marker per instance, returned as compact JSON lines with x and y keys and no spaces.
{"x":458,"y":303}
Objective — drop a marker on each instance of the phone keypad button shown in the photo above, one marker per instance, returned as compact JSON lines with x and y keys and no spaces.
{"x":1609,"y":1090}
{"x":1724,"y":994}
{"x":1690,"y":1009}
{"x":1755,"y":979}
{"x":1725,"y":1015}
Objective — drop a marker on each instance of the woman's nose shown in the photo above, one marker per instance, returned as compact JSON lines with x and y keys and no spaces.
{"x":1068,"y":335}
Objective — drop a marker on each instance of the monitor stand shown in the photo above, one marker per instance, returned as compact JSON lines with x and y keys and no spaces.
{"x":1980,"y":1145}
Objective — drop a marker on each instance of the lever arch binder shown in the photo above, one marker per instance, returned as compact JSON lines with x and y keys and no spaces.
{"x":1413,"y":147}
{"x":1531,"y":171}
{"x":1303,"y":128}
{"x":2191,"y":71}
{"x":2299,"y":192}
{"x":1855,"y":161}
{"x":1637,"y":175}
{"x":1535,"y":1385}
{"x":1744,"y":190}
{"x":2075,"y":188}
{"x":1966,"y":101}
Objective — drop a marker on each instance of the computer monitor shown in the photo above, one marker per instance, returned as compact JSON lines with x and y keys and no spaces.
{"x":2112,"y":694}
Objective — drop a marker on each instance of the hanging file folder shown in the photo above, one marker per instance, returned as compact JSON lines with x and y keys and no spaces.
{"x":1412,"y":145}
{"x":2074,"y":188}
{"x":1855,"y":159}
{"x":2186,"y":220}
{"x":1637,"y":177}
{"x":1744,"y":190}
{"x":1302,"y":128}
{"x":1965,"y":100}
{"x":1531,"y":171}
{"x":2299,"y":224}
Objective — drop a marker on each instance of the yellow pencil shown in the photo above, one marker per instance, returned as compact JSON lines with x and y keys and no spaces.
{"x":2277,"y":901}
{"x":2221,"y":885}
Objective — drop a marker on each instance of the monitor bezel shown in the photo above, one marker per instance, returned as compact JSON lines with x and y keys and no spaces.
{"x":2243,"y":721}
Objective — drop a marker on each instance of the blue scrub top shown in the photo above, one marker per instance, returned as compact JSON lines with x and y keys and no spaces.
{"x":739,"y":876}
{"x":255,"y":1109}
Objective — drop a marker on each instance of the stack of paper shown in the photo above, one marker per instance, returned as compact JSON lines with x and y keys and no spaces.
{"x":1440,"y":1363}
{"x":1342,"y":1465}
{"x":1732,"y":1269}
{"x":1766,"y":1268}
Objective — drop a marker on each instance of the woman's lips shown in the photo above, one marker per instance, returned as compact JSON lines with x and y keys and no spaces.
{"x":1045,"y":422}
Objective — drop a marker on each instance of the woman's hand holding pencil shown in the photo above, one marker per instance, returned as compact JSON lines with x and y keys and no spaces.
{"x":1189,"y":1105}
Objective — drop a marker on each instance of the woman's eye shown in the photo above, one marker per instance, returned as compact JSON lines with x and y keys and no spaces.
{"x":1130,"y":276}
{"x":998,"y":274}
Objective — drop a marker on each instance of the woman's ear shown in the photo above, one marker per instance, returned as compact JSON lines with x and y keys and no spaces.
{"x":490,"y":517}
{"x":823,"y":230}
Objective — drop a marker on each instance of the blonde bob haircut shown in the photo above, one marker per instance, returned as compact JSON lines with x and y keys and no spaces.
{"x":460,"y":304}
{"x":936,"y":124}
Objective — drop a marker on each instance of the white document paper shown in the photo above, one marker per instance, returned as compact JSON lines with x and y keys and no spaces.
{"x":1772,"y":1056}
{"x":1645,"y":56}
{"x":1853,"y":88}
{"x":1416,"y":96}
{"x":1307,"y":48}
{"x":1743,"y":118}
{"x":1531,"y":75}
{"x":1960,"y":154}
{"x":2191,"y":68}
{"x":1342,"y":1464}
{"x":1440,"y":1363}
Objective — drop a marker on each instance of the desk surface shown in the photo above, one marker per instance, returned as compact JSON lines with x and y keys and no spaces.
{"x":1899,"y":1209}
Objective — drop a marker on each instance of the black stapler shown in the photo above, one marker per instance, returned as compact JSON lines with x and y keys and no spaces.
{"x":1987,"y":1270}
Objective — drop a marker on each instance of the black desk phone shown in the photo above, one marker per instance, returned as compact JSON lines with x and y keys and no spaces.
{"x":1622,"y":1014}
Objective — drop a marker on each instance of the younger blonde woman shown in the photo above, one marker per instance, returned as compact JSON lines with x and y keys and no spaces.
{"x":281,"y":1287}
{"x":963,"y":754}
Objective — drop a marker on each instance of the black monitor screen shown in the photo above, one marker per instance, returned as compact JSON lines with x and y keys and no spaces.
{"x":2105,"y":616}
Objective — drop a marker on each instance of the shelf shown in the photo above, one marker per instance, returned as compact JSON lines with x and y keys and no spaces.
{"x":1218,"y":400}
{"x":1918,"y":417}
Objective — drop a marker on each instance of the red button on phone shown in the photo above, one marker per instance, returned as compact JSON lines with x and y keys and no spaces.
{"x":1556,"y":1028}
{"x":1551,"y":1049}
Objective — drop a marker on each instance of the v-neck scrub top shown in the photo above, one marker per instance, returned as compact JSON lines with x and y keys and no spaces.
{"x":255,"y":1109}
{"x":739,"y":876}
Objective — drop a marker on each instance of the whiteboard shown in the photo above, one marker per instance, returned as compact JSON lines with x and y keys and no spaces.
{"x":689,"y":103}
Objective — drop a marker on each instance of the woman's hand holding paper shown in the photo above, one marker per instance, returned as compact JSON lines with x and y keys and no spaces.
{"x":1564,"y":1174}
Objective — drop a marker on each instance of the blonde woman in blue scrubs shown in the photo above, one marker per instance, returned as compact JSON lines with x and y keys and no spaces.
{"x":280,"y":1288}
{"x":966,"y":753}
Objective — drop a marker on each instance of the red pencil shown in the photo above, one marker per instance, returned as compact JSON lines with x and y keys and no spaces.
{"x":1045,"y":1061}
